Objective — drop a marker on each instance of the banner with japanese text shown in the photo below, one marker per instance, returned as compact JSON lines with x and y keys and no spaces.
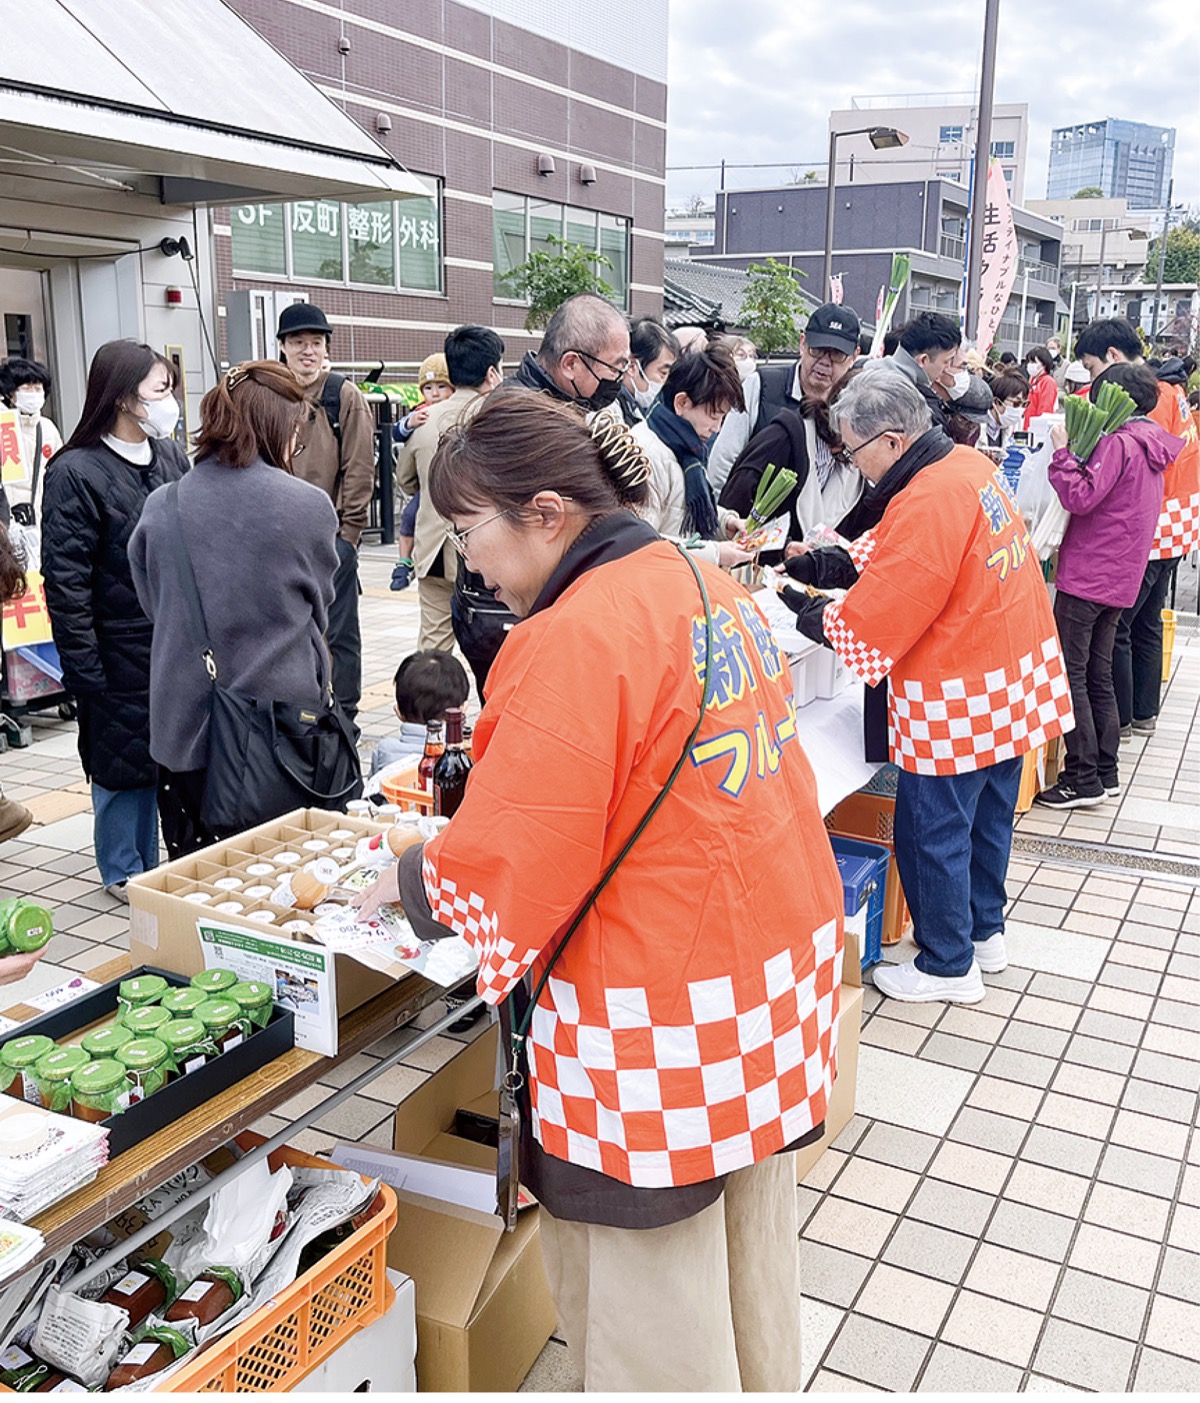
{"x":27,"y":620}
{"x":1000,"y":252}
{"x":12,"y":448}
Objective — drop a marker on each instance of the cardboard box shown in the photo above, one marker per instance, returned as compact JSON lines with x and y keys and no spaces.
{"x":845,"y":1086}
{"x":484,"y":1310}
{"x":162,"y":924}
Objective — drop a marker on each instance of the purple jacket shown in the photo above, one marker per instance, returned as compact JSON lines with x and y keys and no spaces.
{"x":1115,"y":499}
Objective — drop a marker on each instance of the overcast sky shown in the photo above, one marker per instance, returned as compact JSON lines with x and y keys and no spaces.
{"x":756,"y":80}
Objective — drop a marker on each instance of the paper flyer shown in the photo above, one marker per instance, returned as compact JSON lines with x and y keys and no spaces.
{"x":387,"y":943}
{"x":772,"y":536}
{"x":301,"y":975}
{"x":63,"y":993}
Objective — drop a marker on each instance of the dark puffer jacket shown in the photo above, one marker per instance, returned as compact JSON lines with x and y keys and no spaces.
{"x":92,"y":501}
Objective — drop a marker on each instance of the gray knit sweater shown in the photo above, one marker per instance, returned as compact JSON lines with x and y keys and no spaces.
{"x":262,"y":548}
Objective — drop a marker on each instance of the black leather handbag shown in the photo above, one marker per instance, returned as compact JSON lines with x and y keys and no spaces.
{"x":265,"y":757}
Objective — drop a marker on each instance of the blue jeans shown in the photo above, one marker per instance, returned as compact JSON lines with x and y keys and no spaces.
{"x":126,"y":831}
{"x":953,"y":834}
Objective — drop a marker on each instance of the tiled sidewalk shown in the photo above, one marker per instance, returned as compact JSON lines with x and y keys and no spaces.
{"x":1016,"y":1204}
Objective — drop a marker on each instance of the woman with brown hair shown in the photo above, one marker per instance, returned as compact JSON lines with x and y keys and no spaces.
{"x":120,"y":452}
{"x":261,"y":547}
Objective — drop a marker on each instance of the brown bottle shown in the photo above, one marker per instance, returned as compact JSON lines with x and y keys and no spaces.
{"x":434,"y":747}
{"x":452,"y":769}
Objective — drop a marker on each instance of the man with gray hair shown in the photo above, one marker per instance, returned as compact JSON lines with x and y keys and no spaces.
{"x":947,"y":609}
{"x":583,"y":356}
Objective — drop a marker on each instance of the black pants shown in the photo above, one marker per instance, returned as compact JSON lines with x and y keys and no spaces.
{"x":1137,"y":659}
{"x":343,"y":635}
{"x":180,"y":798}
{"x":1086,"y":630}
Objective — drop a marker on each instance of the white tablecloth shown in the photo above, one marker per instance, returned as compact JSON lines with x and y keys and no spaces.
{"x":831,"y":733}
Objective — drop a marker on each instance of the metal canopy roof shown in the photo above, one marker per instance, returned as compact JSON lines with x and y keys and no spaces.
{"x":182,"y":92}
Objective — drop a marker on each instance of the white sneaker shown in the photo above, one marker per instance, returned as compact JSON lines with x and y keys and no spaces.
{"x":991,"y":955}
{"x":908,"y":984}
{"x":119,"y":890}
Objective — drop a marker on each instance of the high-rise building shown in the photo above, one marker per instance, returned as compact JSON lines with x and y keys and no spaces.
{"x":1128,"y":161}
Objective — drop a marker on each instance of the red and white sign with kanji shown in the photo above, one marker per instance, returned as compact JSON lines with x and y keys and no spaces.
{"x":27,"y":620}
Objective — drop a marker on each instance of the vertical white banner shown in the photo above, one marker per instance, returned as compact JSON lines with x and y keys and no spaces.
{"x":1000,"y":253}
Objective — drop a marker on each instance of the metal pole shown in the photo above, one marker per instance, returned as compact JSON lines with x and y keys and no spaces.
{"x":302,"y":1122}
{"x":1071,"y":324}
{"x":830,"y":195}
{"x":1100,"y":272}
{"x":1024,"y":299}
{"x":1162,"y":259}
{"x":987,"y":86}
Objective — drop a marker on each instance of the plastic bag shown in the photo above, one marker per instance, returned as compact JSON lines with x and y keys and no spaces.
{"x":1044,"y":514}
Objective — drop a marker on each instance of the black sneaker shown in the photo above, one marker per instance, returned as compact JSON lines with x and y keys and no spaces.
{"x":1112,"y":787}
{"x":1146,"y":727}
{"x":1126,"y":734}
{"x":402,"y":575}
{"x":1066,"y":796}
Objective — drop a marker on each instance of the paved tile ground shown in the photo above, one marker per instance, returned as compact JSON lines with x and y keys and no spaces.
{"x":1016,"y":1204}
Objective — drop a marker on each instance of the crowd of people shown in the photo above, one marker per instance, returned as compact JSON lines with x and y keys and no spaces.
{"x":571,"y":530}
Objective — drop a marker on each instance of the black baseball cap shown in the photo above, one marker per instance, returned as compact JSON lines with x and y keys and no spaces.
{"x":302,"y":316}
{"x":834,"y":326}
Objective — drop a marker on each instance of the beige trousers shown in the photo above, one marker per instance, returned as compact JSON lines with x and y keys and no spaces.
{"x":711,"y":1304}
{"x":437,"y":631}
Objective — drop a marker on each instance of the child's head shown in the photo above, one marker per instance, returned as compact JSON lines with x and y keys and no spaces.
{"x":434,"y":379}
{"x":427,"y":684}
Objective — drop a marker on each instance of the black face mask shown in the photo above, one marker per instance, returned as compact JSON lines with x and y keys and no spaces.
{"x":602,"y":396}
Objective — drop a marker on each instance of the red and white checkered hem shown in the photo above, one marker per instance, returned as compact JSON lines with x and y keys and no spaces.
{"x":861,"y":550}
{"x":656,"y":1104}
{"x":867,"y":663}
{"x":962,"y":724}
{"x":1178,"y":528}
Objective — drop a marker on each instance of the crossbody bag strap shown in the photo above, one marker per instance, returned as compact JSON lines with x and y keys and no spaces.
{"x":187,"y":579}
{"x":513,"y":1079}
{"x":37,"y":472}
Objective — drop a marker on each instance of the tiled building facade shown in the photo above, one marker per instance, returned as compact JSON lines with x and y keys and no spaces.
{"x":479,"y":99}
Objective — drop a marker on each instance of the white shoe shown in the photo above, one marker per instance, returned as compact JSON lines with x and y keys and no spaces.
{"x":991,"y":955}
{"x":119,"y":890}
{"x":908,"y":984}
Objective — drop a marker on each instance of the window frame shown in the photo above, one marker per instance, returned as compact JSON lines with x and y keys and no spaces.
{"x":565,"y":209}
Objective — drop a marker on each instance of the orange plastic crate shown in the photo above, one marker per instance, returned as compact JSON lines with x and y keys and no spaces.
{"x":289,"y":1336}
{"x":403,"y":792}
{"x":872,"y":818}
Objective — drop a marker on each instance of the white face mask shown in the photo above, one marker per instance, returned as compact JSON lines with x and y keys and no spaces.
{"x":961,"y":384}
{"x":746,"y":366}
{"x":29,"y":400}
{"x":1033,"y":369}
{"x":647,"y":397}
{"x":161,"y":417}
{"x":1012,"y":415}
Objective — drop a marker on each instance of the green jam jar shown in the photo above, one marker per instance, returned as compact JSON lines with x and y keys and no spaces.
{"x":147,"y":1022}
{"x":52,"y":1075}
{"x":99,"y":1090}
{"x":102,"y":1043}
{"x":183,"y":1003}
{"x":256,"y":999}
{"x":17,"y":1058}
{"x":223,"y":1022}
{"x":188,"y":1044}
{"x":146,"y":1060}
{"x":25,"y":926}
{"x":139,"y":992}
{"x":212,"y":982}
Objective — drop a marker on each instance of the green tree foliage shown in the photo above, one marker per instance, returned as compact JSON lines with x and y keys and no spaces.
{"x":772,"y":306}
{"x":1182,"y":263}
{"x":548,"y":279}
{"x":1089,"y":192}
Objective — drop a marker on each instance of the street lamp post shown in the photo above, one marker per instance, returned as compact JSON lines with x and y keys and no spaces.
{"x":882,"y":139}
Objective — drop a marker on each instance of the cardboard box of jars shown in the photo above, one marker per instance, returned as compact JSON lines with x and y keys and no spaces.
{"x":67,"y":1025}
{"x":232,"y":882}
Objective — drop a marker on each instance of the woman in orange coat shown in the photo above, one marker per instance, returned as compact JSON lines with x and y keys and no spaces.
{"x":684,"y":1040}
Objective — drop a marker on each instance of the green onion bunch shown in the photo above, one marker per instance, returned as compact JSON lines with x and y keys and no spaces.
{"x":774,"y":488}
{"x":1088,"y":420}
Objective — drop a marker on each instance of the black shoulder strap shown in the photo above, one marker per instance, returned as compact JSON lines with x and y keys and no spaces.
{"x":331,"y":403}
{"x":187,"y":578}
{"x":775,"y":384}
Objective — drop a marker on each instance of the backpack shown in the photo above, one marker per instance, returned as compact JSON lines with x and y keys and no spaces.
{"x":775,"y":386}
{"x":331,"y":403}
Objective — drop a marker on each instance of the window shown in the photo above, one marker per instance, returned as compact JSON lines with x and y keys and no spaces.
{"x":954,"y":175}
{"x":387,"y":243}
{"x":523,"y":224}
{"x":950,"y":136}
{"x":1004,"y":150}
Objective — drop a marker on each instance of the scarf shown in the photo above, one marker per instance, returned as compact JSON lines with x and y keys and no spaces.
{"x":700,"y":512}
{"x":931,"y":447}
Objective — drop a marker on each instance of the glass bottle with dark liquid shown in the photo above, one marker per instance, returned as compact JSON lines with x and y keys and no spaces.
{"x":434,"y":746}
{"x":453,"y":766}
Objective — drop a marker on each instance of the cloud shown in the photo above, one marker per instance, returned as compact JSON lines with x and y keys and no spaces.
{"x":755,"y":82}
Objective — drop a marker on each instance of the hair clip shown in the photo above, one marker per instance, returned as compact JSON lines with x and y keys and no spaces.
{"x":235,"y":375}
{"x":626,"y":458}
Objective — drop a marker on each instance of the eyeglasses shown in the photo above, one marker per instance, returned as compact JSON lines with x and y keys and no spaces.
{"x":617,"y":370}
{"x":458,"y":539}
{"x":851,"y":452}
{"x":827,"y":353}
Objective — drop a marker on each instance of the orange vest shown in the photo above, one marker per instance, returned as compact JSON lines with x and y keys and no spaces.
{"x":1179,"y":525}
{"x":690,"y":1027}
{"x":952,"y":608}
